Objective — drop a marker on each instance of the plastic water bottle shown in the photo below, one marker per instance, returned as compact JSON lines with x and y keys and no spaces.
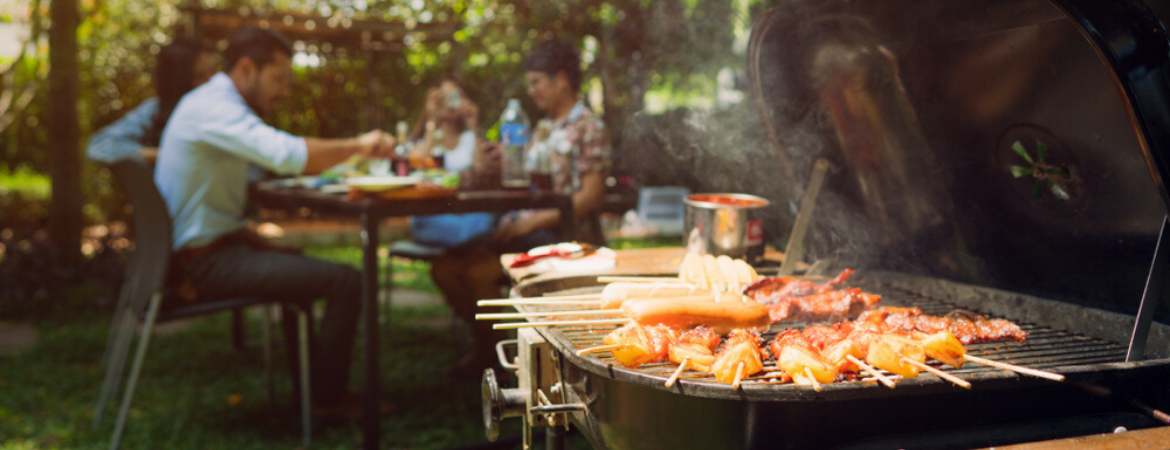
{"x":514,"y":128}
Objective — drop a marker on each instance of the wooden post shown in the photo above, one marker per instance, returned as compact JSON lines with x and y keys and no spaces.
{"x":64,"y":139}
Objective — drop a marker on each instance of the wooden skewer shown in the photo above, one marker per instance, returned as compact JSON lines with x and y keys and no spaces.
{"x":534,"y":301}
{"x":816,"y":385}
{"x":738,"y":376}
{"x":616,"y":279}
{"x":872,"y":371}
{"x":1015,"y":368}
{"x":946,"y":376}
{"x":600,"y":348}
{"x":525,"y":315}
{"x":573,"y":297}
{"x":677,"y":372}
{"x":513,"y":326}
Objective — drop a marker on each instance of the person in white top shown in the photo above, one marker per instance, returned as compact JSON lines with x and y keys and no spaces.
{"x":212,"y":136}
{"x":446,"y":130}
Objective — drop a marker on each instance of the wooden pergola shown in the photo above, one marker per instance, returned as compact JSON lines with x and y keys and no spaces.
{"x":373,"y":38}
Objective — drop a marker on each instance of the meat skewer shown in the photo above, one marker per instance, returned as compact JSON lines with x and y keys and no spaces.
{"x":612,"y":296}
{"x":521,"y":315}
{"x":967,"y":326}
{"x":562,"y":323}
{"x":633,"y":345}
{"x":739,"y":357}
{"x":872,"y":371}
{"x":788,"y":298}
{"x":600,"y":348}
{"x":722,"y":312}
{"x":1014,"y":368}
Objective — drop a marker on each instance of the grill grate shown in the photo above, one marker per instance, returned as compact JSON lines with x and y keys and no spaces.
{"x":1045,"y":348}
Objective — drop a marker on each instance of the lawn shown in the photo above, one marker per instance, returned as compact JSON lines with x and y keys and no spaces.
{"x":197,"y":392}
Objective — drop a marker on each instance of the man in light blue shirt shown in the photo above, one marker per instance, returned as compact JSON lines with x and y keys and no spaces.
{"x":212,"y":136}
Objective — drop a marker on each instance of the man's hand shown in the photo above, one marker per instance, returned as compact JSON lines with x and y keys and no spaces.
{"x":376,"y":144}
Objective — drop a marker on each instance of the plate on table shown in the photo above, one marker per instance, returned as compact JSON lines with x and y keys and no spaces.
{"x":381,"y":183}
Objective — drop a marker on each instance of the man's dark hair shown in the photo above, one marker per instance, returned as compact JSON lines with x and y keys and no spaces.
{"x":553,"y":57}
{"x":174,"y":76}
{"x":259,"y":44}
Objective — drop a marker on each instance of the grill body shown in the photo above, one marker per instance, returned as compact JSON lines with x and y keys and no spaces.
{"x":631,"y":408}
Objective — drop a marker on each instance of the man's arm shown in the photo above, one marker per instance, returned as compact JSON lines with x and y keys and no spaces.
{"x":326,"y":153}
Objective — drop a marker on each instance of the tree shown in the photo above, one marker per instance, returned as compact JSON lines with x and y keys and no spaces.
{"x":64,"y":136}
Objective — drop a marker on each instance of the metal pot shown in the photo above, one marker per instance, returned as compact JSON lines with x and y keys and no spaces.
{"x":725,"y":224}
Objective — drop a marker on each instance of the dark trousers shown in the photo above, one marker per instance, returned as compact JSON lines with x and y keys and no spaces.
{"x":239,"y":270}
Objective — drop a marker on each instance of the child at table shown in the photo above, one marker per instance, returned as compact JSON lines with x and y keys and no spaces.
{"x":447,"y":128}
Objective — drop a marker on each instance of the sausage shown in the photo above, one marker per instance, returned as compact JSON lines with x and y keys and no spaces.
{"x":615,"y":294}
{"x":721,"y":312}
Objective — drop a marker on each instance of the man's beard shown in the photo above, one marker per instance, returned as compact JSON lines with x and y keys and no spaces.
{"x":252,"y":98}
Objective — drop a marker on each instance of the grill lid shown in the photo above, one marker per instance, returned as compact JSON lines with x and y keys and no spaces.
{"x":1020,"y":145}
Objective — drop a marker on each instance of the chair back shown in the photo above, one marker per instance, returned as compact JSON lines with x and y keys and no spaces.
{"x":147,"y":270}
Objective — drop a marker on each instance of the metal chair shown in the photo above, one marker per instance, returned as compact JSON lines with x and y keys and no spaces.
{"x":141,"y":300}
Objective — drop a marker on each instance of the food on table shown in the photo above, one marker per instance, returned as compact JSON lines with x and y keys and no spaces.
{"x":562,"y":250}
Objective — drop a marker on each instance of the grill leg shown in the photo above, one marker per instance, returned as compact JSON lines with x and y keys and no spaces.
{"x":1153,"y":292}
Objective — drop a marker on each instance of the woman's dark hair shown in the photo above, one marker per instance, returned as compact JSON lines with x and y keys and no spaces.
{"x":553,"y":57}
{"x":174,"y":76}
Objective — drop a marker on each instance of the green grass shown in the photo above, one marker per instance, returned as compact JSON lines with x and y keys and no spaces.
{"x":48,"y":393}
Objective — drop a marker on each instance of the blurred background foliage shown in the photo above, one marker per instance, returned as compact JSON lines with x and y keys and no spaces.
{"x":641,"y":55}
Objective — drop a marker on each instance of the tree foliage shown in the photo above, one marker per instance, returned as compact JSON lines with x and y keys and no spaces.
{"x":630,"y":47}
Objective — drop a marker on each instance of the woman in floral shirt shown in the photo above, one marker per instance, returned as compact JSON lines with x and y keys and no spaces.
{"x":572,"y":145}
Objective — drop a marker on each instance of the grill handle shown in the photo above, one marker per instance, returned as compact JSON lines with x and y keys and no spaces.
{"x":503,"y":355}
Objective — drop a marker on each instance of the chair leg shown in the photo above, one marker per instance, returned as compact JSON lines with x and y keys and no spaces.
{"x":119,"y":310}
{"x":121,"y":337}
{"x":139,"y":356}
{"x":388,"y":278}
{"x":238,"y":341}
{"x":266,"y":312}
{"x":303,"y":349}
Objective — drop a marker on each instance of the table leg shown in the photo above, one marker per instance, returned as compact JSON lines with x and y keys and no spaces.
{"x":565,"y":205}
{"x":370,"y":388}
